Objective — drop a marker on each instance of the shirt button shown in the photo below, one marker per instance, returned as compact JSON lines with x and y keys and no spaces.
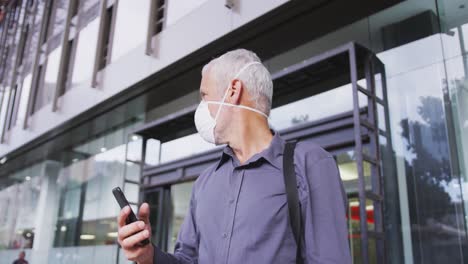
{"x":224,"y":235}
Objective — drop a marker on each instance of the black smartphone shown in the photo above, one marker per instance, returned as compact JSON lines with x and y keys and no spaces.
{"x":122,"y":201}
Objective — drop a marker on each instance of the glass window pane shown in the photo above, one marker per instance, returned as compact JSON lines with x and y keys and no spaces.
{"x":184,"y":147}
{"x":88,"y":183}
{"x":46,"y":92}
{"x":132,"y":171}
{"x":25,"y":91}
{"x":85,"y":53}
{"x":457,"y":73}
{"x":180,"y":202}
{"x":60,"y":16}
{"x":134,"y":148}
{"x":348,"y":171}
{"x":131,"y":26}
{"x":152,"y":155}
{"x":312,"y":108}
{"x":4,"y":105}
{"x":132,"y":192}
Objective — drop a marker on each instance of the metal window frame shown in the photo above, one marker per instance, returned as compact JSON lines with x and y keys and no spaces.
{"x":8,"y":39}
{"x":38,"y":65}
{"x":152,"y":25}
{"x":18,"y":65}
{"x":108,"y":11}
{"x":13,"y":95}
{"x":3,"y":41}
{"x":68,"y":45}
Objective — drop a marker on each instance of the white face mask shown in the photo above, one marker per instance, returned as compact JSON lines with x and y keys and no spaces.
{"x":206,"y":124}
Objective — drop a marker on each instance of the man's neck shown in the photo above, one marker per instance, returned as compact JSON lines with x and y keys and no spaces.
{"x":251,"y":138}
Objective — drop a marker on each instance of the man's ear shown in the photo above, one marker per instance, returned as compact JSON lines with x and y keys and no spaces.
{"x":237,"y":89}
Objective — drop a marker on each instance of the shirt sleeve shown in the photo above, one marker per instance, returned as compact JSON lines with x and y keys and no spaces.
{"x":186,"y":247}
{"x":324,"y":214}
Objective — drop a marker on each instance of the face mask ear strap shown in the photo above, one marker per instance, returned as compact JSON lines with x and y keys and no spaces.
{"x":221,"y":104}
{"x":240,"y":106}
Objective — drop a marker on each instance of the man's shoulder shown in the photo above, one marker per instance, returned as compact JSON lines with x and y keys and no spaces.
{"x":311,"y":151}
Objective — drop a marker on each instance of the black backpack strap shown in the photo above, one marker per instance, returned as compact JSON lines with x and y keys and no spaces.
{"x":294,"y":206}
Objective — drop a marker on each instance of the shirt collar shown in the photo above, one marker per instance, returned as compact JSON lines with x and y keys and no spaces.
{"x":270,"y":154}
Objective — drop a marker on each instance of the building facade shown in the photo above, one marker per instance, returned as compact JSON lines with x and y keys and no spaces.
{"x":100,"y":93}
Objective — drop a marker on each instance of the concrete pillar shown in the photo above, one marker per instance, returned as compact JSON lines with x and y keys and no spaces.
{"x":46,"y":217}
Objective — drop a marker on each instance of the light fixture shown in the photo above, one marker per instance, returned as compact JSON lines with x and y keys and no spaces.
{"x":112,"y":234}
{"x":87,"y":237}
{"x":3,"y":160}
{"x":134,"y":137}
{"x":28,"y":178}
{"x":103,"y":149}
{"x":75,"y":160}
{"x":63,"y":228}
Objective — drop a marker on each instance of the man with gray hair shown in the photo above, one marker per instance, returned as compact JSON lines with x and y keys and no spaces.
{"x":240,"y":209}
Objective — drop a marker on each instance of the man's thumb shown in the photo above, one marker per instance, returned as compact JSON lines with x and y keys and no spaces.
{"x":144,"y":212}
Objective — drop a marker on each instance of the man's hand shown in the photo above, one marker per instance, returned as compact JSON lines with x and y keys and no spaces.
{"x":129,"y":236}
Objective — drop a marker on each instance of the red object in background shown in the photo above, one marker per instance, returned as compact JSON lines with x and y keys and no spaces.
{"x":355,"y":214}
{"x":356,"y":217}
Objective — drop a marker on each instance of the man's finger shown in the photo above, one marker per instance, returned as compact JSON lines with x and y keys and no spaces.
{"x":132,"y":241}
{"x":130,"y":229}
{"x":144,"y":212}
{"x":123,"y":216}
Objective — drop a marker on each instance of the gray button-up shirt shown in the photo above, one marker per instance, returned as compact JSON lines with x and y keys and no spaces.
{"x":238,"y":213}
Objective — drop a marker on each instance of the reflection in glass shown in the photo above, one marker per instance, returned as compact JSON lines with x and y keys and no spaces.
{"x":180,"y":201}
{"x":4,"y":107}
{"x":85,"y":53}
{"x":46,"y":91}
{"x":131,"y":26}
{"x":153,"y":152}
{"x":60,"y":16}
{"x":184,"y":147}
{"x":455,"y":26}
{"x":354,"y":227}
{"x":23,"y":104}
{"x":87,"y":202}
{"x":348,"y":171}
{"x":313,"y":108}
{"x":134,"y":148}
{"x":422,"y":145}
{"x":18,"y":204}
{"x":457,"y":75}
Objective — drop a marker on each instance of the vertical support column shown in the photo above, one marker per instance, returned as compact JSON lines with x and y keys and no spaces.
{"x":46,"y":213}
{"x":358,"y":155}
{"x":376,"y":172}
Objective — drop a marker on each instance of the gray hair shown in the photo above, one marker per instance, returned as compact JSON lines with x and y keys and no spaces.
{"x":256,"y":78}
